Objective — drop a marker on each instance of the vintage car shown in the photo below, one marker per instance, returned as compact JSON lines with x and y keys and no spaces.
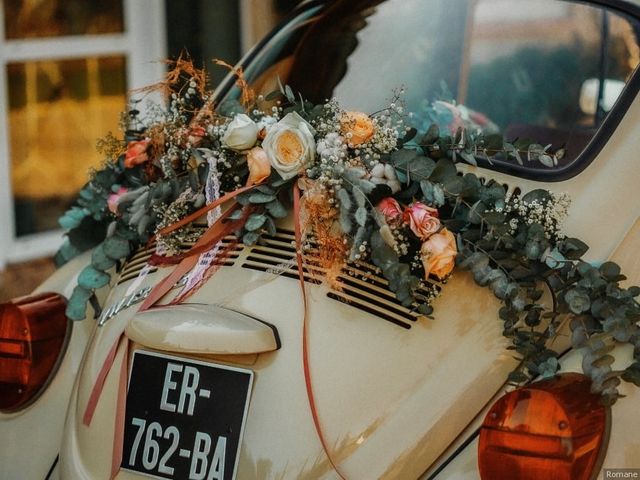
{"x":233,"y":383}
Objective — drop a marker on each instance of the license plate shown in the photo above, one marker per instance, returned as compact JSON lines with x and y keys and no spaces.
{"x":184,"y":418}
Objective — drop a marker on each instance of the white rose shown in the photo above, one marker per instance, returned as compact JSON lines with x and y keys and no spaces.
{"x":241,"y":133}
{"x":290,"y":145}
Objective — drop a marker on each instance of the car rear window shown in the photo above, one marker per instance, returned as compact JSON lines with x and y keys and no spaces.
{"x":545,"y":73}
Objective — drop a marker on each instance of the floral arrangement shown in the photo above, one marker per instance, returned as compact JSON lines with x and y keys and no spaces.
{"x":361,"y":187}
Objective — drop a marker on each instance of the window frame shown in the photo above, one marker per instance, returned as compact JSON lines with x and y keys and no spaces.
{"x":587,"y":156}
{"x":143,"y":45}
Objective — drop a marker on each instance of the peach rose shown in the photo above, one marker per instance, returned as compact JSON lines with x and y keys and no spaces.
{"x":390,"y":208}
{"x":136,"y":153}
{"x":259,"y":165}
{"x":439,"y":254}
{"x":422,"y":220}
{"x":357,"y":127}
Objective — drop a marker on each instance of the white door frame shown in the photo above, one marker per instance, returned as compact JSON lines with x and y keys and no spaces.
{"x":144,"y":45}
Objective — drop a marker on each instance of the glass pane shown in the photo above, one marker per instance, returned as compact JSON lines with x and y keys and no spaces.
{"x":54,"y":18}
{"x":57,"y":111}
{"x":534,"y":71}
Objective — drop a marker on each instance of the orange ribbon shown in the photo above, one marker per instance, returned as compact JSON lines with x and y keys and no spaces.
{"x":210,"y":206}
{"x":305,"y":335}
{"x":213,"y":235}
{"x":216,"y":232}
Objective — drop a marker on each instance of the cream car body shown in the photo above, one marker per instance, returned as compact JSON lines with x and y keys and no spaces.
{"x":393,"y":402}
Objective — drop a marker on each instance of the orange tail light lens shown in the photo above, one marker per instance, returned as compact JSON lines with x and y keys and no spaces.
{"x":33,"y":333}
{"x":552,"y":430}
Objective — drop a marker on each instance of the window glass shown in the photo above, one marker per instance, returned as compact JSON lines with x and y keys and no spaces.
{"x":533,"y":71}
{"x":53,"y":18}
{"x":57,"y":110}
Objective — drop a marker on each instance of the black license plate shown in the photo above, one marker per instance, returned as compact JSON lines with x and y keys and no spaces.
{"x":184,"y":418}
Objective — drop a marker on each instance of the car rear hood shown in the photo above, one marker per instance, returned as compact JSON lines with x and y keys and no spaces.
{"x":389,"y":399}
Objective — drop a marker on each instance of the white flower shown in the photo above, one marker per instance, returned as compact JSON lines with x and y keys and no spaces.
{"x":290,"y":145}
{"x":266,"y":122}
{"x":241,"y":133}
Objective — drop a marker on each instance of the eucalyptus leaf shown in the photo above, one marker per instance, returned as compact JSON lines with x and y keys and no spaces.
{"x":270,"y":226}
{"x":116,"y":247}
{"x":92,"y":279}
{"x":259,"y":198}
{"x":100,"y":260}
{"x":538,"y":195}
{"x":433,"y":133}
{"x":250,"y":238}
{"x":255,"y":221}
{"x":444,"y":170}
{"x":77,"y":305}
{"x":276,"y":209}
{"x":469,"y":158}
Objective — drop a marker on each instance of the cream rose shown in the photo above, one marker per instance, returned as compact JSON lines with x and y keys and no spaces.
{"x":439,"y":254}
{"x":241,"y":133}
{"x":290,"y":145}
{"x":422,"y":220}
{"x":357,"y":127}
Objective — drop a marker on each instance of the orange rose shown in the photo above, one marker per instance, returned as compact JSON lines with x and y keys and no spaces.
{"x":136,"y":153}
{"x":259,"y":166}
{"x":357,"y":127}
{"x":422,"y":220}
{"x":439,"y":254}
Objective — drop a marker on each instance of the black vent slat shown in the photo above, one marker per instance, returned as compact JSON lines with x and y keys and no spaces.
{"x":368,"y":309}
{"x":388,"y":296}
{"x":362,"y":286}
{"x":401,"y":311}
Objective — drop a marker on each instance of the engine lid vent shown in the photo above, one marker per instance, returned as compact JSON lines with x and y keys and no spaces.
{"x":359,"y":285}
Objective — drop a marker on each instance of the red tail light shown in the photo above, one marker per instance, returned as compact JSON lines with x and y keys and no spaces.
{"x":33,"y":332}
{"x":551,"y":430}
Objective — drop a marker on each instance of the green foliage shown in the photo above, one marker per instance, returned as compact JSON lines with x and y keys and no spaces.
{"x":508,"y":250}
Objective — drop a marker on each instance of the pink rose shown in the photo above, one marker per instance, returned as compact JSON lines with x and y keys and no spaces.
{"x":196,"y":134}
{"x":136,"y":153}
{"x":439,"y":254}
{"x":114,"y":199}
{"x":457,"y":121}
{"x":390,"y":208}
{"x":422,"y":220}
